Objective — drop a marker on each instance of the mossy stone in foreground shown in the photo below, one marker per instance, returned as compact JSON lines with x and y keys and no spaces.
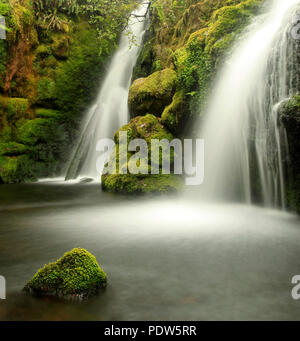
{"x":76,"y":274}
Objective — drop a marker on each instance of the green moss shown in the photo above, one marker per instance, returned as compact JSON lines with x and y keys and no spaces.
{"x":77,"y":78}
{"x":3,"y":56}
{"x":43,"y":51}
{"x":77,"y":273}
{"x":12,"y":149}
{"x":45,"y":90}
{"x":175,"y":115}
{"x":152,"y":94}
{"x":226,"y":23}
{"x":131,"y":184}
{"x":5,"y":129}
{"x":61,"y":46}
{"x":16,"y":169}
{"x":15,"y":108}
{"x":147,"y":128}
{"x":30,"y":132}
{"x":47,"y":113}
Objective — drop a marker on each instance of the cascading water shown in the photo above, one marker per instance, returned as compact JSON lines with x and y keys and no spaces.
{"x":245,"y":144}
{"x":110,"y":111}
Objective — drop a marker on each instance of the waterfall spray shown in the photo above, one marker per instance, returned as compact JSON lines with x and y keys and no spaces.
{"x":245,"y":144}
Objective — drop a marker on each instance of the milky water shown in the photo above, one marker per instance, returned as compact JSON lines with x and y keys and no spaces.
{"x":166,"y":258}
{"x":110,"y":111}
{"x":245,"y":144}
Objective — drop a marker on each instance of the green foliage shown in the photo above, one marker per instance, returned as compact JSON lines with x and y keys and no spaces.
{"x":16,"y":169}
{"x":194,"y":69}
{"x":12,"y":149}
{"x":109,"y":17}
{"x":168,"y":11}
{"x":45,"y":90}
{"x":16,"y":108}
{"x":78,"y":77}
{"x":4,"y":7}
{"x":48,"y":113}
{"x":53,"y":14}
{"x":77,"y":273}
{"x":30,"y":132}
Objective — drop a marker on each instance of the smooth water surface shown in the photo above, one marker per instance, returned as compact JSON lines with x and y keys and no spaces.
{"x":166,"y":258}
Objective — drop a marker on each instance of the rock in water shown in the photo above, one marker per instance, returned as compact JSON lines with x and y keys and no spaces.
{"x":76,"y":275}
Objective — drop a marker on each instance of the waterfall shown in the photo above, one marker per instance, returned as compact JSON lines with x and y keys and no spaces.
{"x":110,"y":111}
{"x":245,"y":143}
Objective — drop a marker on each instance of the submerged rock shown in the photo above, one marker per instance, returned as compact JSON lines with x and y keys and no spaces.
{"x":76,"y":275}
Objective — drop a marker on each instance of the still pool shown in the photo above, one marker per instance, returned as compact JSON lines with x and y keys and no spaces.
{"x":166,"y":258}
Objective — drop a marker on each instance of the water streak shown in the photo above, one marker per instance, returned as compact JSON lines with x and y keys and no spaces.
{"x":110,"y":112}
{"x":245,"y":143}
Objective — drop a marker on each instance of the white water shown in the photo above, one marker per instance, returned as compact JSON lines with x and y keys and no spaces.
{"x":110,"y":112}
{"x":245,"y":145}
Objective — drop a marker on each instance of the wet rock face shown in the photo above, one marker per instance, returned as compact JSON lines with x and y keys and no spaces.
{"x":290,"y":117}
{"x":152,"y":94}
{"x":76,"y":275}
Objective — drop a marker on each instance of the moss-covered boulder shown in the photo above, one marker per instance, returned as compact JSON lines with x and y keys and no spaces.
{"x":152,"y":94}
{"x":142,"y":184}
{"x":147,"y":128}
{"x":175,"y":115}
{"x":289,"y":114}
{"x":76,"y":274}
{"x":32,"y":131}
{"x":13,"y":149}
{"x":14,"y":108}
{"x":16,"y":169}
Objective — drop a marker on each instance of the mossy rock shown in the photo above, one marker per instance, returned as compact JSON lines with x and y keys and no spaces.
{"x":47,"y":113}
{"x":76,"y":274}
{"x":30,"y":132}
{"x":132,"y":184}
{"x":226,"y":23}
{"x":43,"y":51}
{"x":175,"y":115}
{"x":289,"y":114}
{"x":13,"y":149}
{"x":152,"y":94}
{"x":16,"y":169}
{"x":15,"y":108}
{"x":147,"y":128}
{"x":61,"y":46}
